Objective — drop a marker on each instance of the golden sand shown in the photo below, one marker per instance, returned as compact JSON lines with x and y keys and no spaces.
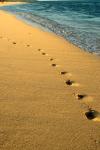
{"x":10,"y":3}
{"x":49,"y":91}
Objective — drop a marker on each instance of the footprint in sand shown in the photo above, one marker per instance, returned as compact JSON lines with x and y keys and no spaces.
{"x":51,"y":59}
{"x":39,"y":49}
{"x":53,"y":65}
{"x":71,"y":83}
{"x":43,"y":53}
{"x":28,"y":45}
{"x":14,"y":43}
{"x":92,"y":115}
{"x":84,"y":97}
{"x":80,"y":96}
{"x":65,"y":73}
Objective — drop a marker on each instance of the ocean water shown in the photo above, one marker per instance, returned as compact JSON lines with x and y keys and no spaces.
{"x":76,"y":21}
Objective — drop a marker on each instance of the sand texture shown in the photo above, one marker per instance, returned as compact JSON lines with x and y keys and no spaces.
{"x":49,"y":91}
{"x":10,"y":3}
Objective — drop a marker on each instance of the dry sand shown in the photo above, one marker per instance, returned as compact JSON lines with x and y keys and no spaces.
{"x":10,"y":3}
{"x":38,"y":110}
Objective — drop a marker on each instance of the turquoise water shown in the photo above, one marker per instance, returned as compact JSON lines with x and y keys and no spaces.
{"x":78,"y":22}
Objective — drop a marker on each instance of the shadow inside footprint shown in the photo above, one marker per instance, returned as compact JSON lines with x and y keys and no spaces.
{"x":69,"y":82}
{"x":80,"y":96}
{"x":51,"y":59}
{"x":14,"y":42}
{"x":84,"y":97}
{"x":43,"y":53}
{"x":53,"y":65}
{"x":28,"y":45}
{"x":63,"y":72}
{"x":91,"y":114}
{"x":39,"y":49}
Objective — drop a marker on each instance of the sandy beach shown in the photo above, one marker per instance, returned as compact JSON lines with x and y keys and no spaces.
{"x":10,"y":3}
{"x":49,"y":91}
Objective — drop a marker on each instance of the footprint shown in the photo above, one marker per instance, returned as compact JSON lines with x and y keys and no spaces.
{"x":43,"y":53}
{"x":72,"y":83}
{"x":53,"y":65}
{"x":39,"y":49}
{"x":69,"y":82}
{"x":92,"y":115}
{"x":81,"y":96}
{"x":28,"y":45}
{"x":63,"y":72}
{"x":14,"y":43}
{"x":51,"y":59}
{"x":84,"y":97}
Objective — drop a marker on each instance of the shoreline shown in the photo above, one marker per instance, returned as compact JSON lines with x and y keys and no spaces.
{"x":39,"y":27}
{"x":49,"y":89}
{"x":36,"y":25}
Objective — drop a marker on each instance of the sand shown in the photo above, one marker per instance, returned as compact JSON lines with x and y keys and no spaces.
{"x":10,"y":3}
{"x":49,"y":91}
